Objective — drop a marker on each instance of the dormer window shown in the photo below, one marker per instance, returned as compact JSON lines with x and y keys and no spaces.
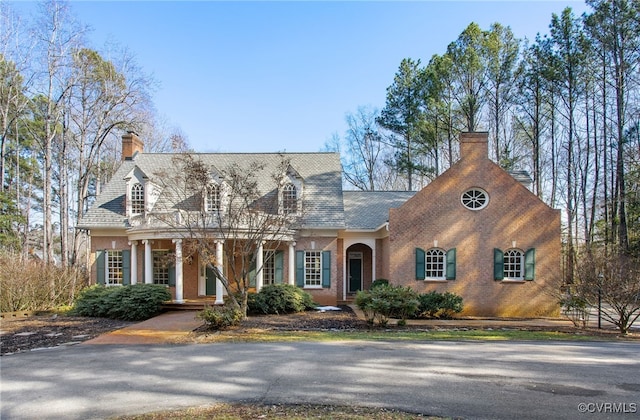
{"x":137,"y":198}
{"x":212,"y":201}
{"x":289,"y":198}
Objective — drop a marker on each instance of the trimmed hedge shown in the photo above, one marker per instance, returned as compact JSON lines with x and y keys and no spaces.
{"x":439,"y":305}
{"x":280,"y":299}
{"x":129,"y":303}
{"x":384,"y":301}
{"x":387,"y":301}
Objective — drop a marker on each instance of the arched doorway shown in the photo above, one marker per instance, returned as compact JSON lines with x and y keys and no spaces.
{"x":359,"y":268}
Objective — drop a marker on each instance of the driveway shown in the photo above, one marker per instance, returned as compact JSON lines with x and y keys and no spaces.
{"x":475,"y":380}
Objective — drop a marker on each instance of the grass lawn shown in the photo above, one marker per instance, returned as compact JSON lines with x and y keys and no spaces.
{"x":402,"y":335}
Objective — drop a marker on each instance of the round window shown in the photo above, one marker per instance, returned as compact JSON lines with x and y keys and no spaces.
{"x":475,"y":199}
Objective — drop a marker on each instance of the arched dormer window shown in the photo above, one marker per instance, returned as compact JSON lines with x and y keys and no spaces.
{"x":289,"y":198}
{"x":213,"y":198}
{"x":137,"y":198}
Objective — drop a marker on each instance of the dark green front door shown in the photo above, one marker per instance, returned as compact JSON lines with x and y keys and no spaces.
{"x":210,"y":282}
{"x":355,"y":274}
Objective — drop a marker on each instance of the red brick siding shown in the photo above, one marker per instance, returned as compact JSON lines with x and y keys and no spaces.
{"x":513,"y":214}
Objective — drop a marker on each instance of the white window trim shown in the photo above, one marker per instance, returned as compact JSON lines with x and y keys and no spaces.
{"x":508,"y":279}
{"x":153,"y":273}
{"x":269,"y":265}
{"x":110,"y":253}
{"x":475,"y":190}
{"x":131,"y":199}
{"x":312,"y":286}
{"x":442,"y":278}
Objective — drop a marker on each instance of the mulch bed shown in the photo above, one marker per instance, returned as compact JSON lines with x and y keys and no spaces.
{"x":29,"y":333}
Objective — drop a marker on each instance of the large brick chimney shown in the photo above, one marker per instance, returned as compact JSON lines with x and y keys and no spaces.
{"x":131,"y":144}
{"x":474,"y":145}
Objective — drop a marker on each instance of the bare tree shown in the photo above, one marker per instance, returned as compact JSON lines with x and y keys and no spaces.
{"x":240,"y":204}
{"x":57,"y":35}
{"x":611,"y":285}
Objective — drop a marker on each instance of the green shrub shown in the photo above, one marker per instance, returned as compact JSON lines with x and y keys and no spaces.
{"x":92,"y":301}
{"x":130,"y":303}
{"x":137,"y":302}
{"x":220,"y":317}
{"x":439,"y":305}
{"x":280,"y":299}
{"x":384,"y":302}
{"x":379,"y":282}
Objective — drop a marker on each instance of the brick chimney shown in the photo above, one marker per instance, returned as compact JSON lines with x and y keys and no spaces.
{"x":474,"y":145}
{"x":131,"y":144}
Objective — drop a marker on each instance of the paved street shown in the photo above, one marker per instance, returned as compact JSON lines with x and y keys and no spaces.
{"x":474,"y":380}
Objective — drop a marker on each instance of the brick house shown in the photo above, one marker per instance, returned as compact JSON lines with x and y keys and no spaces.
{"x":475,"y":231}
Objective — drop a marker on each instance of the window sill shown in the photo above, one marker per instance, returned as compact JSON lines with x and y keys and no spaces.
{"x":434,"y":280}
{"x":313,"y":287}
{"x":512,"y":281}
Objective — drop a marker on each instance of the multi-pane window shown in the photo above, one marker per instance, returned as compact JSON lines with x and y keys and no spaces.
{"x":313,"y":268}
{"x":213,"y":198}
{"x":434,"y":260}
{"x":137,"y":198}
{"x":289,"y":198}
{"x":113,"y":268}
{"x":161,"y":267}
{"x":513,"y":264}
{"x":269,"y":267}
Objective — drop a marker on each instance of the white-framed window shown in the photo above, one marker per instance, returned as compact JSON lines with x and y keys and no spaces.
{"x":269,"y":266}
{"x":137,"y":198}
{"x":113,"y":267}
{"x":160,"y":266}
{"x":313,"y":268}
{"x":213,"y":198}
{"x":435,"y":264}
{"x":289,"y":198}
{"x":475,"y":199}
{"x":514,"y":264}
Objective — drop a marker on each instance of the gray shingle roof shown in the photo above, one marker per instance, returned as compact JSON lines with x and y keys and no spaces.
{"x":320,"y":172}
{"x":366,"y":210}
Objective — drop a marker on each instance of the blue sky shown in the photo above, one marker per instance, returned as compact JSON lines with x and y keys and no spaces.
{"x":280,"y":76}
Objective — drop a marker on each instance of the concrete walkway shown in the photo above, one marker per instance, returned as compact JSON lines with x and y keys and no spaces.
{"x":160,"y":329}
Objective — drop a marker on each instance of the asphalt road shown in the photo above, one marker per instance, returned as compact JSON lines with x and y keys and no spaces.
{"x":473,"y":380}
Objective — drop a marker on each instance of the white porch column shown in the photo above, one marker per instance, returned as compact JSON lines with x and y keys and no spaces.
{"x":179,"y":282}
{"x":373,"y":264}
{"x":134,"y":261}
{"x":219,"y":286}
{"x":259,"y":270}
{"x":292,"y":263}
{"x":148,"y":262}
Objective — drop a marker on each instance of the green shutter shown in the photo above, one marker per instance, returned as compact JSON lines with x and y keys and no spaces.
{"x":498,"y":264}
{"x":420,"y":268}
{"x":530,"y":264}
{"x":300,"y":268}
{"x":278,"y":264}
{"x":126,"y":266}
{"x":252,"y":273}
{"x":326,"y":269}
{"x":100,"y":263}
{"x":451,"y":264}
{"x":172,"y":275}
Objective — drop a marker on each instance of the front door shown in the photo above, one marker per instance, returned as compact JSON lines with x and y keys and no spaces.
{"x":355,"y":271}
{"x":210,"y":282}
